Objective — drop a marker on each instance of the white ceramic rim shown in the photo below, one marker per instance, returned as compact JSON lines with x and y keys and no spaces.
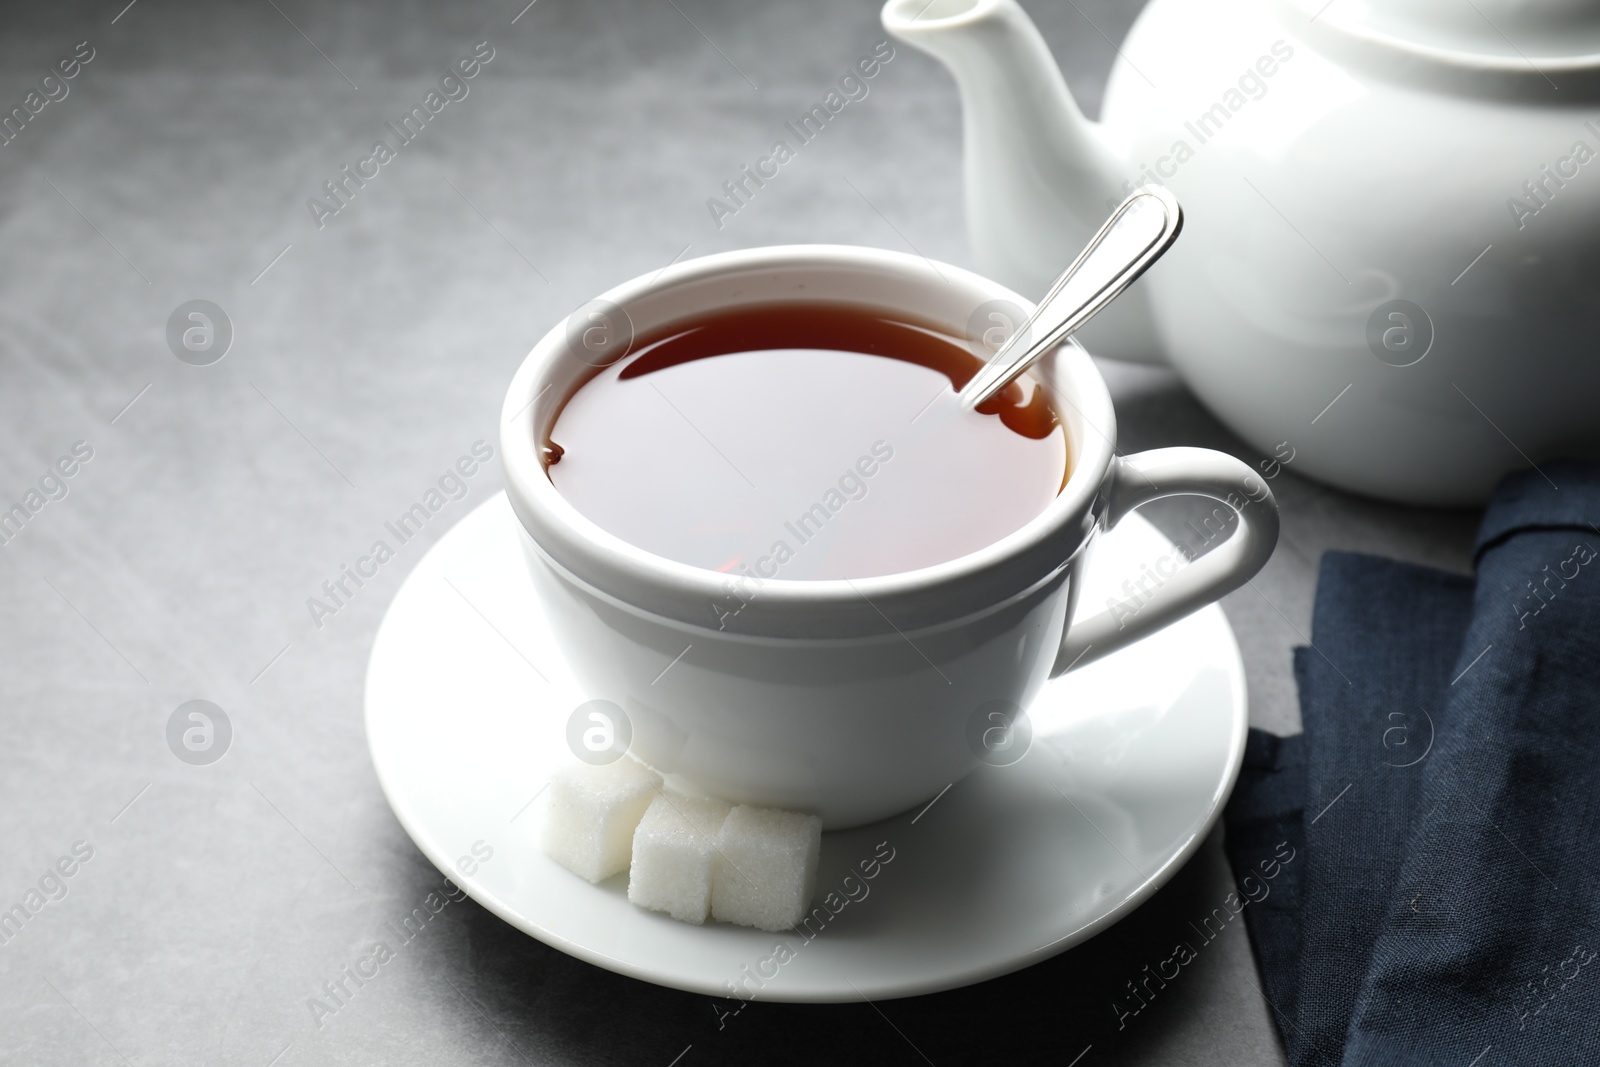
{"x":909,"y":16}
{"x":643,"y":581}
{"x":1321,"y":19}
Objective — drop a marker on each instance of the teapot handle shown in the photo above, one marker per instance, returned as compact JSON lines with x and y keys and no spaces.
{"x":1191,"y":583}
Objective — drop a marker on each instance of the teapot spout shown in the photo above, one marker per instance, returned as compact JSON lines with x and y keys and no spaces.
{"x":1039,"y":177}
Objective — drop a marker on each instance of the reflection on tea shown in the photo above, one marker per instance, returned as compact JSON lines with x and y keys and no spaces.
{"x":814,"y":441}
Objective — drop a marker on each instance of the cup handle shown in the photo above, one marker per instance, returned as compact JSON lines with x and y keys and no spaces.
{"x":1147,"y":476}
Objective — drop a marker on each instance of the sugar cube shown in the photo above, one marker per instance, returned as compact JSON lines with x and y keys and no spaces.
{"x":672,"y":853}
{"x":592,"y":813}
{"x":765,"y":867}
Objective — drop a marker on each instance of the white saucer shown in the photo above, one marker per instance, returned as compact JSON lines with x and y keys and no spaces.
{"x":1131,"y":760}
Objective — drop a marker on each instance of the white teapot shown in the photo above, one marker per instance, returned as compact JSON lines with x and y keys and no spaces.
{"x":1390,"y":264}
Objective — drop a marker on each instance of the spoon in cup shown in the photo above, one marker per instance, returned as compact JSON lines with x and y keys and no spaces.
{"x":1137,"y":233}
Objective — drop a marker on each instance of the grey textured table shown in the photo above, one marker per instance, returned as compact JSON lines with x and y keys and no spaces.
{"x":368,"y":355}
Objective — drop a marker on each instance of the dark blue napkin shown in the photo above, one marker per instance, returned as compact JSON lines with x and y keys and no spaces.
{"x":1441,"y":806}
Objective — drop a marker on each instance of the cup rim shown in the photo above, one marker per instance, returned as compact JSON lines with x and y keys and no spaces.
{"x":639,"y":580}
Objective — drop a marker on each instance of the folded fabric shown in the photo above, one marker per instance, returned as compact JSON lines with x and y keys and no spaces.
{"x":1440,"y":801}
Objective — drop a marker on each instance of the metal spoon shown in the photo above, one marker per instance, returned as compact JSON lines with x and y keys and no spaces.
{"x":1142,"y":227}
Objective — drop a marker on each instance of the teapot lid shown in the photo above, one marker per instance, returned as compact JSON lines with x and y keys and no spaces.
{"x":1540,"y":44}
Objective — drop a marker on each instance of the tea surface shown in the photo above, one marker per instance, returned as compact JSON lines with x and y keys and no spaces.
{"x":804,"y":443}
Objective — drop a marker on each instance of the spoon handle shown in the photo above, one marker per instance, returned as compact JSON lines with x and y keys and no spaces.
{"x":1138,"y":231}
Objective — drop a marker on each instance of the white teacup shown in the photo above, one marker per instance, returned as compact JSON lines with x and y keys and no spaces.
{"x":855,"y":699}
